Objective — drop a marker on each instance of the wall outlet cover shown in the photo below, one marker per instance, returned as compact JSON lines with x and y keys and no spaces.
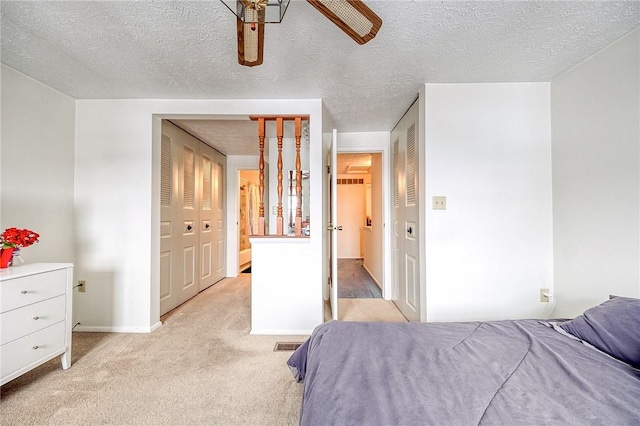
{"x":439,"y":202}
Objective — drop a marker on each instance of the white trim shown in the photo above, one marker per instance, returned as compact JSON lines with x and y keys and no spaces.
{"x":108,"y":329}
{"x":371,"y":275}
{"x":281,"y":332}
{"x":235,"y":163}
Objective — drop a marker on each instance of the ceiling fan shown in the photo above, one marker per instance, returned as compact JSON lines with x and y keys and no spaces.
{"x":351,"y":16}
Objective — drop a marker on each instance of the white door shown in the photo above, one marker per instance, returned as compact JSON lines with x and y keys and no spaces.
{"x":219,"y":202}
{"x":406,"y":253}
{"x":179,"y":219}
{"x":207,"y":223}
{"x":188,"y":186}
{"x":169,"y":273}
{"x":212,"y":230}
{"x":333,"y":227}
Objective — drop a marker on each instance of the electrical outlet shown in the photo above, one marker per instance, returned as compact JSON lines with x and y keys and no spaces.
{"x":439,"y":203}
{"x":544,"y":298}
{"x":82,"y":286}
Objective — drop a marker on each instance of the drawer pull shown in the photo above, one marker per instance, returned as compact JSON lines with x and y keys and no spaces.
{"x":24,"y":292}
{"x":36,"y":347}
{"x":36,"y":318}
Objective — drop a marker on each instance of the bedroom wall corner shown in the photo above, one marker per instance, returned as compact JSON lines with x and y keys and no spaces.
{"x":595,"y":116}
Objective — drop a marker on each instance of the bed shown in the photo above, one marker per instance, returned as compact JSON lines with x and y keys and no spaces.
{"x":521,"y":372}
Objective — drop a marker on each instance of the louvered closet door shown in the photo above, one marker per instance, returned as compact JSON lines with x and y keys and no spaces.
{"x":169,"y":209}
{"x":189,"y":187}
{"x":219,"y":164}
{"x":212,"y":229}
{"x":406,"y":252}
{"x":179,"y":218}
{"x":206,"y":223}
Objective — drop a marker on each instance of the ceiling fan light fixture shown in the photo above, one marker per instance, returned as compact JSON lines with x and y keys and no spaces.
{"x":351,"y":16}
{"x":272,"y":11}
{"x":250,"y":39}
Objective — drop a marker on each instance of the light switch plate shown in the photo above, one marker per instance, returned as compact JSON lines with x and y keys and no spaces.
{"x":439,"y":202}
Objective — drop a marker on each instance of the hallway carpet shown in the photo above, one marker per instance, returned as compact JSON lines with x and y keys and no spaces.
{"x":354,"y":282}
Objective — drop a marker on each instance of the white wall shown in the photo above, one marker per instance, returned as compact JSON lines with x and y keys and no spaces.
{"x":488,"y":150}
{"x":36,"y":186}
{"x":117,"y":201}
{"x":596,"y":178}
{"x":351,"y":216}
{"x":283,"y":303}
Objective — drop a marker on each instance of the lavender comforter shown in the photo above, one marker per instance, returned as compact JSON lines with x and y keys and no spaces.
{"x":504,"y":372}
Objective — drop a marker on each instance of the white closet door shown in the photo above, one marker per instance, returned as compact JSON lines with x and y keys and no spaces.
{"x":219,"y":163}
{"x":406,"y":252}
{"x":169,"y":274}
{"x":189,"y":187}
{"x":207,"y":222}
{"x":213,"y":233}
{"x":179,"y":279}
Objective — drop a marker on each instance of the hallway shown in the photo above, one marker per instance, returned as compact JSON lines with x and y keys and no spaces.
{"x":354,"y":282}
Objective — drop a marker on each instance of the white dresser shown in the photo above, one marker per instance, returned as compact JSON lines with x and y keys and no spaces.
{"x":35,"y":317}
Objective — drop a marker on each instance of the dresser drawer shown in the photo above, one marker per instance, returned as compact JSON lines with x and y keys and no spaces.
{"x":31,"y":289}
{"x":35,"y":347}
{"x":31,"y":318}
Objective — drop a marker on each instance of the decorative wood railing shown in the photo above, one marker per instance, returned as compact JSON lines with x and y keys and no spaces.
{"x":280,"y":135}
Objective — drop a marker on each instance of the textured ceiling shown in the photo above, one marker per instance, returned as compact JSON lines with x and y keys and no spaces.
{"x":230,"y":137}
{"x":187,"y":50}
{"x":354,"y":159}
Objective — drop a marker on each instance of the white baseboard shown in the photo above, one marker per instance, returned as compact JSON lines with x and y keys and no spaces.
{"x":109,"y":329}
{"x":372,"y":276}
{"x":281,"y":332}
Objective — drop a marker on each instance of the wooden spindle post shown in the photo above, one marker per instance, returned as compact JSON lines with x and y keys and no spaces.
{"x":279,"y":134}
{"x":298,"y":130}
{"x":289,"y":203}
{"x":261,"y":125}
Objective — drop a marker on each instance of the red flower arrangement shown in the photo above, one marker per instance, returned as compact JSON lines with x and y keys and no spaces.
{"x":18,"y":238}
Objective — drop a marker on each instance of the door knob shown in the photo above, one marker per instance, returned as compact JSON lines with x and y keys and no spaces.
{"x":189,"y":227}
{"x":410,"y":230}
{"x":339,"y":228}
{"x":206,"y":226}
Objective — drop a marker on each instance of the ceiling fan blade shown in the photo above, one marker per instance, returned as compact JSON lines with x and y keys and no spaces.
{"x":351,"y":16}
{"x":250,"y":43}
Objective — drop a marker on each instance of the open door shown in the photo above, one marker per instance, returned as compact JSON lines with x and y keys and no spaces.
{"x":333,"y":227}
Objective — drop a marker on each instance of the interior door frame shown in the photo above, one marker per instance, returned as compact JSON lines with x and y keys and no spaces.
{"x":239,"y":170}
{"x":333,"y":227}
{"x":386,"y":204}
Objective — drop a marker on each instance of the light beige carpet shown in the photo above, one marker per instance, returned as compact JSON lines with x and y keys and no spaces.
{"x":200,"y":368}
{"x":365,"y":310}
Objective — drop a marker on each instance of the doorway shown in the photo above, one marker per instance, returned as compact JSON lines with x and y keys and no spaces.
{"x":361,"y":244}
{"x":359,"y":197}
{"x":248,"y":181}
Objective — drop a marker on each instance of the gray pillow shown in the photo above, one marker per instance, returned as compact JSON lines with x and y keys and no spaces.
{"x":613,"y":327}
